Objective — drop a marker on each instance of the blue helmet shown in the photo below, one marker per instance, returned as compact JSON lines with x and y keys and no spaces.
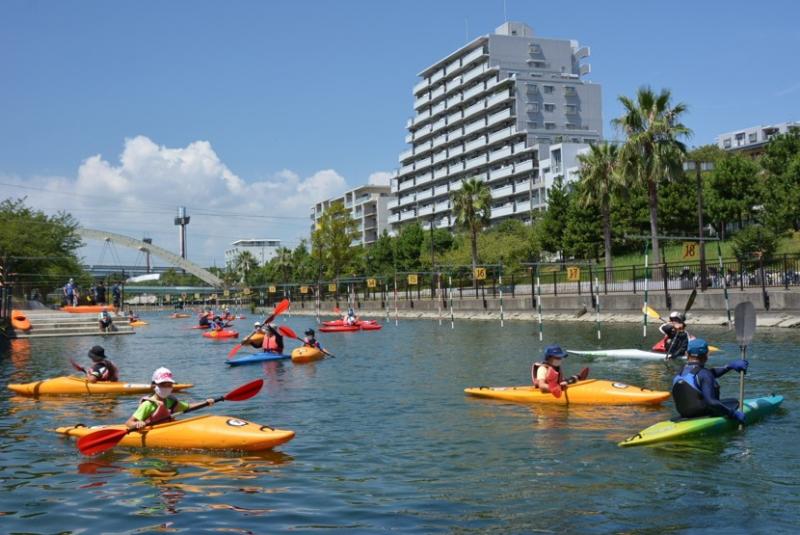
{"x":555,"y":351}
{"x":697,"y":348}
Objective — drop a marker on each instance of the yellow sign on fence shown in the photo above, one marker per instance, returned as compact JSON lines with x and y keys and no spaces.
{"x":372,"y":283}
{"x":689,"y":250}
{"x":304,"y":289}
{"x":413,"y":279}
{"x":197,"y":295}
{"x":573,"y":273}
{"x":167,"y":297}
{"x":480,"y":273}
{"x":332,"y":287}
{"x":226,"y":293}
{"x":246,"y":291}
{"x":183,"y":295}
{"x":213,"y":297}
{"x":272,"y":289}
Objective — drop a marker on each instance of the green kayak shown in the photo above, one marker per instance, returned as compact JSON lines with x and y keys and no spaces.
{"x":679,"y":428}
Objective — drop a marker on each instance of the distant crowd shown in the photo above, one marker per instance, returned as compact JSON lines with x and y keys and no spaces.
{"x":96,"y":295}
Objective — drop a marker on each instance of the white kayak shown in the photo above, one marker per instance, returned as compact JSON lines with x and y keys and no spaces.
{"x":620,"y":353}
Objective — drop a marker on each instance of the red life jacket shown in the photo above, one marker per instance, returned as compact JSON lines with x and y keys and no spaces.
{"x":552,"y":380}
{"x":270,"y":343}
{"x":162,"y":412}
{"x":111,"y":372}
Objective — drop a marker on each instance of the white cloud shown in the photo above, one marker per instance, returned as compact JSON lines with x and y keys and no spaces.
{"x":139,"y":196}
{"x":380,"y":178}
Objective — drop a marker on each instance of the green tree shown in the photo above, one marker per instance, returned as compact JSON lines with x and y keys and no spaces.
{"x":601,"y":180}
{"x":243,"y":265}
{"x":731,"y":191}
{"x":382,"y":253}
{"x":550,"y":226}
{"x":408,"y":244}
{"x":781,"y":190}
{"x":652,"y":151}
{"x":283,"y":262}
{"x":755,"y":241}
{"x":472,"y":206}
{"x":442,"y":242}
{"x":40,"y":249}
{"x":583,"y":227}
{"x":337,"y":230}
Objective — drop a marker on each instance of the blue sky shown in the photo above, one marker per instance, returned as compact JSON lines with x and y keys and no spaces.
{"x":292,"y":89}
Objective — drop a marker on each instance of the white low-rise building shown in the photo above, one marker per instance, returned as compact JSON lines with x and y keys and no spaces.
{"x":262,"y":249}
{"x":753,"y":139}
{"x":369,"y":207}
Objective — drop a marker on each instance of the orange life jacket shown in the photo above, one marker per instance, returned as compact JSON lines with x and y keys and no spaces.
{"x":162,"y":412}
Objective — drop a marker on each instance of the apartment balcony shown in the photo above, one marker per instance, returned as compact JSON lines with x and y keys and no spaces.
{"x":521,"y":147}
{"x":527,"y":165}
{"x":405,"y":155}
{"x":404,"y":185}
{"x":505,"y":191}
{"x":475,"y":108}
{"x":439,"y":140}
{"x":405,"y":200}
{"x":500,"y":116}
{"x":474,"y":73}
{"x":475,"y":143}
{"x":425,"y":210}
{"x":441,"y":190}
{"x":443,"y":222}
{"x":422,"y":116}
{"x":455,"y":99}
{"x":439,"y":156}
{"x":422,"y":84}
{"x":424,"y":178}
{"x":497,"y":98}
{"x":438,"y":75}
{"x":502,"y":211}
{"x":456,"y":167}
{"x":505,"y":152}
{"x":472,"y":56}
{"x":475,"y":162}
{"x":394,"y":203}
{"x":438,"y":125}
{"x":439,"y":108}
{"x":440,"y":172}
{"x":455,"y":150}
{"x":442,"y":206}
{"x":426,"y":194}
{"x":453,"y":66}
{"x":455,"y":185}
{"x":409,"y":137}
{"x":502,"y":134}
{"x":406,"y":169}
{"x":421,"y":101}
{"x":453,"y":118}
{"x":423,"y":163}
{"x":501,"y":173}
{"x":408,"y":214}
{"x":469,"y":93}
{"x":422,"y":147}
{"x":474,"y":127}
{"x":438,"y":92}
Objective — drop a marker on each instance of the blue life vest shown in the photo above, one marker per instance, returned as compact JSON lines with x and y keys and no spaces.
{"x":687,"y":375}
{"x":686,"y":393}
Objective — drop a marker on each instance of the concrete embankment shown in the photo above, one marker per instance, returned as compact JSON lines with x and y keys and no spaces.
{"x":708,"y":309}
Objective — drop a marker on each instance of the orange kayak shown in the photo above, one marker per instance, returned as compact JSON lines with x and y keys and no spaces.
{"x":221,"y":334}
{"x":74,"y":386}
{"x":89,"y":309}
{"x":20,"y":321}
{"x":588,"y":392}
{"x":306,"y":354}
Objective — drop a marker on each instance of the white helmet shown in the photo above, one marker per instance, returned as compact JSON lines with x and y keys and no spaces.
{"x":163,"y":375}
{"x":257,"y":324}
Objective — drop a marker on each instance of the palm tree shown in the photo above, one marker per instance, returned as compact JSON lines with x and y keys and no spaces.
{"x":652,"y":151}
{"x":472,"y":206}
{"x":243,"y":264}
{"x":601,"y":180}
{"x":283,"y":259}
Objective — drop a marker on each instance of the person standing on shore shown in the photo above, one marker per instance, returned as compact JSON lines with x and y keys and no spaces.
{"x":116,"y":295}
{"x":70,"y":293}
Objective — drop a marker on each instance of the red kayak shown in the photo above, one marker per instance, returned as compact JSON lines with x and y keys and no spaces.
{"x":201,"y":326}
{"x":339,"y":323}
{"x":221,"y":334}
{"x":370,"y":327}
{"x":339,"y":328}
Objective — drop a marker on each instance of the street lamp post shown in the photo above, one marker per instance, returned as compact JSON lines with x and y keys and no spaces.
{"x":698,"y":167}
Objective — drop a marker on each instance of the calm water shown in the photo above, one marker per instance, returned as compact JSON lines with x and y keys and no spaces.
{"x":386,"y":441}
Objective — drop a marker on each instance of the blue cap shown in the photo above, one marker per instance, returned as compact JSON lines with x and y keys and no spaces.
{"x":555,"y":351}
{"x":697,"y":348}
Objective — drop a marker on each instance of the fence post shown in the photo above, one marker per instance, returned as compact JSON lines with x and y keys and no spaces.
{"x":555,"y":284}
{"x":634,"y":278}
{"x":533,"y":289}
{"x":785,"y":272}
{"x":741,"y":276}
{"x":665,"y":274}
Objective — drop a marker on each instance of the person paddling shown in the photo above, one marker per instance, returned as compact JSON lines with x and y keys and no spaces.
{"x":273,"y":341}
{"x":310,"y":339}
{"x":218,"y":324}
{"x":350,"y":318}
{"x":162,"y":404}
{"x":677,"y":338}
{"x":696,"y":391}
{"x":102,"y":369}
{"x":548,"y":377}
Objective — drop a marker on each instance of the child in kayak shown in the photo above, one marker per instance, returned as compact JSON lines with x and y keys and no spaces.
{"x":273,"y":341}
{"x":677,"y":339}
{"x":310,"y":340}
{"x":102,"y":369}
{"x":218,"y":324}
{"x":162,"y":404}
{"x":350,"y":318}
{"x":695,"y":389}
{"x":547,"y":376}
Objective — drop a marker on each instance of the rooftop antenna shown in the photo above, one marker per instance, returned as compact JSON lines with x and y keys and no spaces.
{"x":147,"y":254}
{"x":182,"y":220}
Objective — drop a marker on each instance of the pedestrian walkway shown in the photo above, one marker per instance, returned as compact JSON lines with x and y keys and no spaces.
{"x":46,"y":323}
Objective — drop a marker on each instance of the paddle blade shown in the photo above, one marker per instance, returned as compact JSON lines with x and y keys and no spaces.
{"x":651,"y":313}
{"x":236,"y":349}
{"x":690,"y":301}
{"x":745,"y":322}
{"x":100,"y":441}
{"x":280,"y":308}
{"x":287,"y":331}
{"x":245,"y":391}
{"x":713,"y":348}
{"x":77,"y":366}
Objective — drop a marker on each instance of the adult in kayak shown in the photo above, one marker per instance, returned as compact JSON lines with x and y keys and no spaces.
{"x":205,"y":319}
{"x":162,"y":404}
{"x":273,"y":341}
{"x":695,"y":389}
{"x":350,"y":318}
{"x":102,"y":369}
{"x":310,"y":340}
{"x":218,"y":324}
{"x":677,"y":339}
{"x":547,"y":375}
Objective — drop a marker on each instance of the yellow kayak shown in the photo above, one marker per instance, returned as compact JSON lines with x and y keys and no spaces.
{"x":210,"y":432}
{"x":71,"y":386}
{"x":588,"y":392}
{"x":138,"y":323}
{"x":256,"y":340}
{"x":306,"y":354}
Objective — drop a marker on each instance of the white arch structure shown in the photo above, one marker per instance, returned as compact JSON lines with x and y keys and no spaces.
{"x":172,"y":258}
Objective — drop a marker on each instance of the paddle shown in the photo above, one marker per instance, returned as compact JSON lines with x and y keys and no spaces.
{"x":77,"y":366}
{"x":286,"y":331}
{"x":280,"y":308}
{"x":745,"y":322}
{"x":105,"y":439}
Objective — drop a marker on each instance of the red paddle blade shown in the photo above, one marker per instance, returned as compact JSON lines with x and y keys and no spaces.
{"x":235,"y":350}
{"x":100,"y":441}
{"x":245,"y":391}
{"x":287,"y":331}
{"x":76,"y":366}
{"x":280,"y":308}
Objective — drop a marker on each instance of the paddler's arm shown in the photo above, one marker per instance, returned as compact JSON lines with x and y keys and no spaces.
{"x":143,"y":412}
{"x":183,"y":406}
{"x":716,"y":406}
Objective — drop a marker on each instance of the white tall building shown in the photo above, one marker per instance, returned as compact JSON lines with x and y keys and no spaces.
{"x":262,"y":249}
{"x":486,"y":111}
{"x":368,"y":205}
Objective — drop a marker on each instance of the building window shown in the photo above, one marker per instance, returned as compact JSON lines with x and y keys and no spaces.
{"x":533,"y":88}
{"x":533,"y":125}
{"x":538,"y":64}
{"x":548,"y":89}
{"x":549,"y":107}
{"x":534,"y":48}
{"x":753,"y":137}
{"x":571,"y":126}
{"x":569,"y":91}
{"x":549,"y":126}
{"x":726,"y":143}
{"x":571,"y":108}
{"x":533,"y":107}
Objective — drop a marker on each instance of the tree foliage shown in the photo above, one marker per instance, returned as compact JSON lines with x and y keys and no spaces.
{"x":472,"y":207}
{"x":336,"y":232}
